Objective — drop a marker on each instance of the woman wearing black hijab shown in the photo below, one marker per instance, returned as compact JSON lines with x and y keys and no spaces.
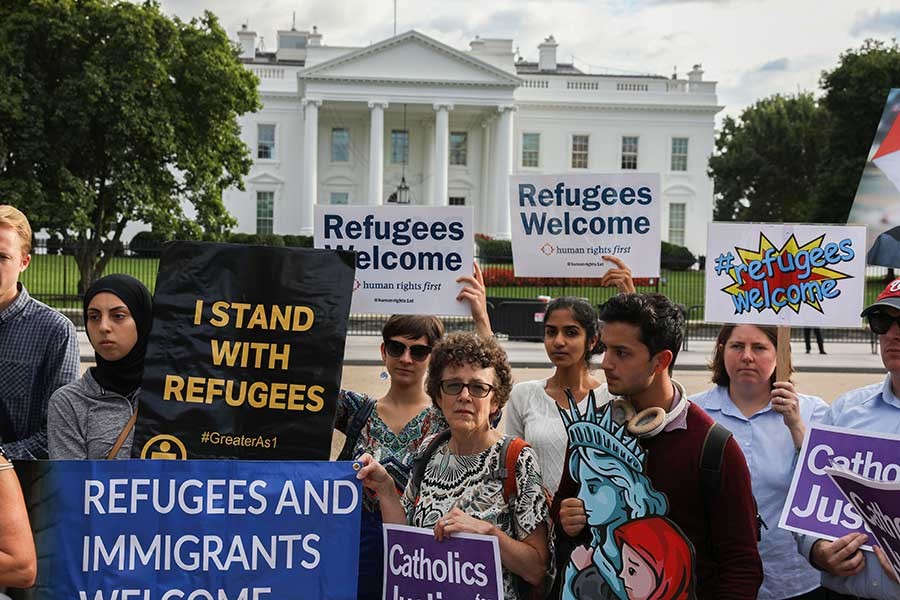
{"x":93,"y":417}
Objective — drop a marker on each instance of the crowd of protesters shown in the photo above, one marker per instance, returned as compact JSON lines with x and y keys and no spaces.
{"x":430,"y":446}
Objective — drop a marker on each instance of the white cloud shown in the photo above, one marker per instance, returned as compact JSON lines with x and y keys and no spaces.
{"x":734,"y":40}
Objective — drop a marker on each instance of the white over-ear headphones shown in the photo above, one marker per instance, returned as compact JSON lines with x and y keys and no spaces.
{"x":650,"y":421}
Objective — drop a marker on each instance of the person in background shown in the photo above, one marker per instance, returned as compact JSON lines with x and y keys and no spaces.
{"x":571,"y":333}
{"x":392,"y":427}
{"x":819,"y":341}
{"x":469,"y":382}
{"x":847,"y":570}
{"x":93,"y":417}
{"x":768,"y":419}
{"x":38,"y":347}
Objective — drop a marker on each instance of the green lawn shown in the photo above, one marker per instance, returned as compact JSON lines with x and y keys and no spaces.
{"x":54,"y":279}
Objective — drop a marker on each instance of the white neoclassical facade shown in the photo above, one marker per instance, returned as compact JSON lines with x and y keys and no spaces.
{"x":344,"y":125}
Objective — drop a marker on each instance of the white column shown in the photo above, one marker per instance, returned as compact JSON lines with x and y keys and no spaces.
{"x":502,"y":170}
{"x":428,"y":171}
{"x":310,"y":165}
{"x":485,"y":215}
{"x":376,"y":152}
{"x":441,"y":153}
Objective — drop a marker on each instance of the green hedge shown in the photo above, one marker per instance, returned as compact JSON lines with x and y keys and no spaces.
{"x":676,"y":258}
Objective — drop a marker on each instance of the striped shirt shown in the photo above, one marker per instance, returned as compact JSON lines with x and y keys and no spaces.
{"x":38,"y":354}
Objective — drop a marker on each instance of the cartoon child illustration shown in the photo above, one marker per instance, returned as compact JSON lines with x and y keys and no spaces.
{"x":608,"y":465}
{"x":657,"y":560}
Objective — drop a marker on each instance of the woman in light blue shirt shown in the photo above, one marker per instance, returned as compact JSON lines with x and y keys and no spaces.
{"x":768,"y":419}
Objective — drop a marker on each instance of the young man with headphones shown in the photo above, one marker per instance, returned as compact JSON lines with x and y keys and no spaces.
{"x":642,"y":334}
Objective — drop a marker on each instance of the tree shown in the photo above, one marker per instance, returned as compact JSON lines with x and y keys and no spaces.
{"x":855,"y":92}
{"x":111,"y":112}
{"x":764,"y":168}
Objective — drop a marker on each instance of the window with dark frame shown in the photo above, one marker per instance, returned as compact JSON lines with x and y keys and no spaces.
{"x":580,"y":144}
{"x":265,"y":212}
{"x":340,"y":144}
{"x":399,"y":146}
{"x":459,"y":141}
{"x":676,"y":223}
{"x":679,"y":154}
{"x":265,"y":142}
{"x":457,"y":201}
{"x":629,"y":152}
{"x":531,"y":149}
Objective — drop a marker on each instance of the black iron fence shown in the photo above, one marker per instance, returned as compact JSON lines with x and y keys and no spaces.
{"x":515,"y":303}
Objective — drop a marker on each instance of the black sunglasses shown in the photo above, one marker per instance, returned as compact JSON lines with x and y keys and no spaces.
{"x":477,"y":389}
{"x":395,"y":349}
{"x":880,"y":322}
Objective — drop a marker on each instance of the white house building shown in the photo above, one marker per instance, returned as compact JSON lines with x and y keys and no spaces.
{"x":345,"y":125}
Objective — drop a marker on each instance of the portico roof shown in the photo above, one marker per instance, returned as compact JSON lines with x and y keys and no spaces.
{"x":410,"y":58}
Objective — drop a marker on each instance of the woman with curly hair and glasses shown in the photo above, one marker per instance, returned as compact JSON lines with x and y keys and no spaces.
{"x":469,"y":382}
{"x":391,"y":427}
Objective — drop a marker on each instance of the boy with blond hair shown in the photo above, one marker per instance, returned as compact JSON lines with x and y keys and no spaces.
{"x":38,"y":347}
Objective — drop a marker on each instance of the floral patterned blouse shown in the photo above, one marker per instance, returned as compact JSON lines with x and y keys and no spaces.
{"x":393,"y":450}
{"x":466,"y":482}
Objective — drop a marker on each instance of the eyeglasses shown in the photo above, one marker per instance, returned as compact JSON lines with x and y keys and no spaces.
{"x":880,"y":322}
{"x":395,"y":349}
{"x":477,"y":389}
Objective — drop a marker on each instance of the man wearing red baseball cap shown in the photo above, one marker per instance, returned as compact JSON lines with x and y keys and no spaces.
{"x":847,"y":569}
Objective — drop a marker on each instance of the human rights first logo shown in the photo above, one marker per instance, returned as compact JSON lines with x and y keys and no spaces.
{"x":794,"y":275}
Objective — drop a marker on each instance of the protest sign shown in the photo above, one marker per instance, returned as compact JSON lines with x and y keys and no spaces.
{"x":814,"y":504}
{"x":463,"y":566}
{"x":563,"y":224}
{"x":244,"y":359}
{"x":193,"y":530}
{"x":877,"y":201}
{"x":407,"y":258}
{"x":879,"y":504}
{"x":777,"y":274}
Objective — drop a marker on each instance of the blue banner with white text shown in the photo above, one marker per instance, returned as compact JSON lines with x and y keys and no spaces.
{"x":197,"y":530}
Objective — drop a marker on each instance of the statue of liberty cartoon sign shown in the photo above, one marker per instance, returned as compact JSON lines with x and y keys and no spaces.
{"x":635,"y":553}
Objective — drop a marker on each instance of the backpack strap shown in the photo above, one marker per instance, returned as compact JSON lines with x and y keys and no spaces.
{"x":417,"y":472}
{"x":511,"y":451}
{"x":711,"y":456}
{"x":354,"y":429}
{"x":123,"y":435}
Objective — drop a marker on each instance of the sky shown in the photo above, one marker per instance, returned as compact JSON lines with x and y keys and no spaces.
{"x":753,"y":48}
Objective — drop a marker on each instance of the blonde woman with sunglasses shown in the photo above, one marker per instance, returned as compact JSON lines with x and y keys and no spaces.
{"x":392,"y":427}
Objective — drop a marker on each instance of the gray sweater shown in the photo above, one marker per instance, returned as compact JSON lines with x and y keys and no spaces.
{"x":84,"y":420}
